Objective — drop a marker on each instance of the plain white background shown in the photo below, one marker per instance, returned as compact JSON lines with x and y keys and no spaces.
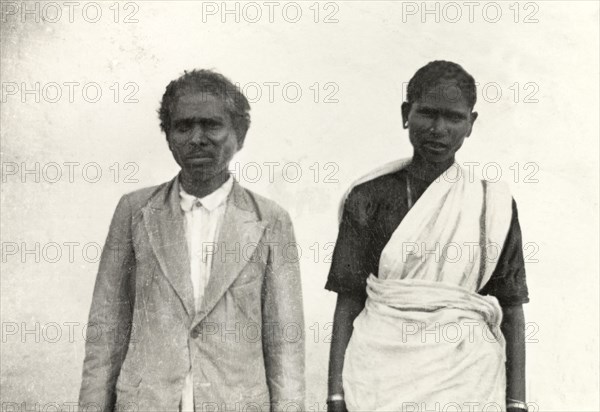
{"x":538,"y":106}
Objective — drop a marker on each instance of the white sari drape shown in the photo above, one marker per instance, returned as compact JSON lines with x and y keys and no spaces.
{"x":426,"y":340}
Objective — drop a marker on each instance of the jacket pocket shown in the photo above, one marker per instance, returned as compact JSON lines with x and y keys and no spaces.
{"x":259,"y":396}
{"x":244,"y":302}
{"x":128,"y":386}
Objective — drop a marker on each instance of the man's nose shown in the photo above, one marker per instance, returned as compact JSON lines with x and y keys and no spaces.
{"x":199,"y":135}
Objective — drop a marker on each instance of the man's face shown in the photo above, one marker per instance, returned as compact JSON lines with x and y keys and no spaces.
{"x":439,"y":122}
{"x":201,"y":137}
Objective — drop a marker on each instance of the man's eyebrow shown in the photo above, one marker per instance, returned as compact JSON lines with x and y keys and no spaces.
{"x":195,"y":119}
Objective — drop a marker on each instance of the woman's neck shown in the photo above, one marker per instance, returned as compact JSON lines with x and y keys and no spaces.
{"x":425,"y":170}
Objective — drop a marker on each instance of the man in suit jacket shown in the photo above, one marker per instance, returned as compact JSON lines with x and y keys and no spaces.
{"x":197,"y":303}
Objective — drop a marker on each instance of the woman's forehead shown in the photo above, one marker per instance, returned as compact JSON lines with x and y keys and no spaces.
{"x":446,"y":92}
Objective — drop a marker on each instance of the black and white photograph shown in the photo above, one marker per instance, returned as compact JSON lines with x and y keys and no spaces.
{"x":247,"y":206}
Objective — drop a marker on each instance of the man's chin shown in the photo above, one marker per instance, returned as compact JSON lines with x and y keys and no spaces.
{"x":204,"y":172}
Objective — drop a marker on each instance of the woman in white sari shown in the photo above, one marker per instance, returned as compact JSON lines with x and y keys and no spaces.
{"x":429,"y":272}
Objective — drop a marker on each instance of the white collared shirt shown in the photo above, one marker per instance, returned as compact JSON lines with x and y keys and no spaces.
{"x":203,"y":217}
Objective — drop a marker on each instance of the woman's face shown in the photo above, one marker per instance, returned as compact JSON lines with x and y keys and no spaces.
{"x":439,"y":122}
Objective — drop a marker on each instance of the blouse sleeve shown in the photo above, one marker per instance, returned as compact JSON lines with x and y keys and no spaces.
{"x":350,"y":265}
{"x":508,"y":283}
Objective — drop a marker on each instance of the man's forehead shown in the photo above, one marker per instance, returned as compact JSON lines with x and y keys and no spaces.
{"x":199,"y":105}
{"x":195,"y":96}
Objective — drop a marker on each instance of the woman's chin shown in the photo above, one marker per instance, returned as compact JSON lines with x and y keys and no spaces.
{"x":437,"y":158}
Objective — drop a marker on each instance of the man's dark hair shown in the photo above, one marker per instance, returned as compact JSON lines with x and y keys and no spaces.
{"x":212,"y":83}
{"x":430,"y":75}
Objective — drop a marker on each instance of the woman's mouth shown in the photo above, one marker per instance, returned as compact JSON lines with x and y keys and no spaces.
{"x":435,"y":147}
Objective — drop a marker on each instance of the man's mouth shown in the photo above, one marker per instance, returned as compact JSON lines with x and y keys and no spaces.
{"x":200,"y":156}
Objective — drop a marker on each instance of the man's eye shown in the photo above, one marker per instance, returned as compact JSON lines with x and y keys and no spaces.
{"x":213,"y":125}
{"x":182,"y":128}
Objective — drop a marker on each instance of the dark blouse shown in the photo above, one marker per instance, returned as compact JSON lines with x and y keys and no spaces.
{"x":373,"y":211}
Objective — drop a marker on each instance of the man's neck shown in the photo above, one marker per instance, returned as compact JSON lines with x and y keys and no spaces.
{"x":427,"y":171}
{"x":199,"y":187}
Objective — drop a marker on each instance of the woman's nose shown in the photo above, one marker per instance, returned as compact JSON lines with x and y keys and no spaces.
{"x":439,"y":125}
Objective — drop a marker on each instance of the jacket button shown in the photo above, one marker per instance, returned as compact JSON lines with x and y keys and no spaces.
{"x":195,"y":333}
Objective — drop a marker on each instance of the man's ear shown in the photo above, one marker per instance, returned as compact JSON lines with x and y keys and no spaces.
{"x":405,"y":112}
{"x":240,"y":142}
{"x":471,"y":122}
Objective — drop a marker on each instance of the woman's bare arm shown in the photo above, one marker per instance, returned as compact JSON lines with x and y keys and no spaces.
{"x":513,"y":328}
{"x":346,"y":310}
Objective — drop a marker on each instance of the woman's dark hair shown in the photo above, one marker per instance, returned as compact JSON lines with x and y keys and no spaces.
{"x":430,"y":75}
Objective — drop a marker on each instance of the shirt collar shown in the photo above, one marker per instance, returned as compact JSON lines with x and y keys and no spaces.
{"x":210,"y":201}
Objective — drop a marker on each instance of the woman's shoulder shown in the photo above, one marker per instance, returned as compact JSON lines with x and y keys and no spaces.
{"x":379,"y":185}
{"x":364,"y":199}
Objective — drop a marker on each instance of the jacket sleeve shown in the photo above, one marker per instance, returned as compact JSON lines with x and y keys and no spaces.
{"x":109,"y":323}
{"x":283,"y":319}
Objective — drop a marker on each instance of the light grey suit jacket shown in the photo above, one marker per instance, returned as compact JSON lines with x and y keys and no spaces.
{"x":245,"y":345}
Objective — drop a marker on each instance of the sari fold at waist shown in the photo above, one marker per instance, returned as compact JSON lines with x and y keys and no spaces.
{"x":428,"y":296}
{"x":425,"y":343}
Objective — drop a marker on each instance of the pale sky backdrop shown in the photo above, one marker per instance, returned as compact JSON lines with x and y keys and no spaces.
{"x":537,"y":67}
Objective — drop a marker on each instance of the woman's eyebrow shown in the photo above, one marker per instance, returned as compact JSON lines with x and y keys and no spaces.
{"x":454,"y":113}
{"x":425,"y":109}
{"x":444,"y":112}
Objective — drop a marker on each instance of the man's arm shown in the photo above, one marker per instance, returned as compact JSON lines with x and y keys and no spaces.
{"x":110,"y":314}
{"x":513,"y":329}
{"x":283,"y":320}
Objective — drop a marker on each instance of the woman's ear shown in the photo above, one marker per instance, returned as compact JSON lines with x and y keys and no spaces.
{"x":471,"y":122}
{"x":405,"y":112}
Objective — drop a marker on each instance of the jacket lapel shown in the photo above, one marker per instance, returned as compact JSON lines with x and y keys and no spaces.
{"x":239,"y":234}
{"x":164,"y":221}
